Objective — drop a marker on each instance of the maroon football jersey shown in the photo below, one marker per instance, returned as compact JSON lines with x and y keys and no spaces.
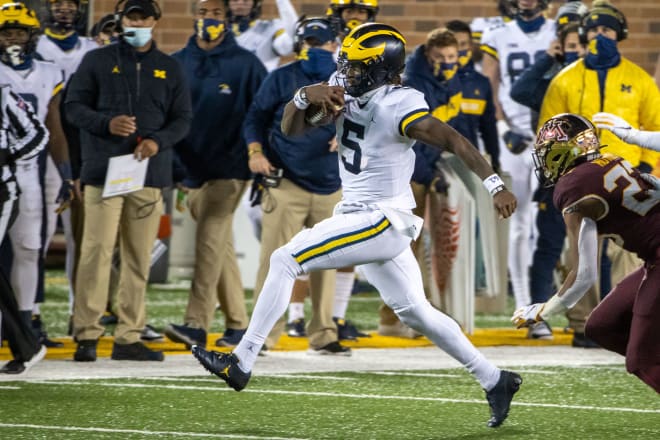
{"x":631,"y":217}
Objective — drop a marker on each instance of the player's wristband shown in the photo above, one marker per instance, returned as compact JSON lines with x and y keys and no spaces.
{"x":554,"y":306}
{"x":493,"y":184}
{"x":300,"y":100}
{"x":502,"y":127}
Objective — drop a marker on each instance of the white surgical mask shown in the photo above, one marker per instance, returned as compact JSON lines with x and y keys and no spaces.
{"x":137,"y":36}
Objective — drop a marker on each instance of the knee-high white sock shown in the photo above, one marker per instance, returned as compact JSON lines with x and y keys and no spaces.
{"x":24,"y":276}
{"x":343,"y":288}
{"x":296,"y":311}
{"x":447,"y":335}
{"x":270,"y":306}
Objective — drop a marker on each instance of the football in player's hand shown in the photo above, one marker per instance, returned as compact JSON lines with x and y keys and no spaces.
{"x":316,"y":115}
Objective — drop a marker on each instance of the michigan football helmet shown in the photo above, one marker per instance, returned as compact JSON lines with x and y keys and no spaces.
{"x":541,"y":5}
{"x":64,"y":14}
{"x":15,"y":49}
{"x":564,"y":141}
{"x":372,"y":54}
{"x":336,"y":7}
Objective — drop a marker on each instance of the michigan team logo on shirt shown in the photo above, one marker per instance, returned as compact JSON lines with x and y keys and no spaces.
{"x":115,"y":69}
{"x":224,"y":89}
{"x":162,"y":74}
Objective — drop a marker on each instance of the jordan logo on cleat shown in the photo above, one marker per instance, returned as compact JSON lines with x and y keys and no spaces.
{"x":225,"y":371}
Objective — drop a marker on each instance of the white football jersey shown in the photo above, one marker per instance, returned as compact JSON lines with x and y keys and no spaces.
{"x":516,"y":50}
{"x":69,"y":60}
{"x":376,"y":160}
{"x":262,"y":37}
{"x":36,"y":85}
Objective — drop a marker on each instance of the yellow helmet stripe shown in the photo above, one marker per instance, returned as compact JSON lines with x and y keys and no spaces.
{"x":356,"y":51}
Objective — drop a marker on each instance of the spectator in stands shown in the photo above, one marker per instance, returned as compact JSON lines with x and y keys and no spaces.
{"x":22,"y":136}
{"x":103,"y":102}
{"x":508,"y":51}
{"x":267,"y":39}
{"x":224,"y":79}
{"x":606,"y":81}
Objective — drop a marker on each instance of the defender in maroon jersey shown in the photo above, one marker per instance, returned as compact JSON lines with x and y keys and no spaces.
{"x":603,"y":195}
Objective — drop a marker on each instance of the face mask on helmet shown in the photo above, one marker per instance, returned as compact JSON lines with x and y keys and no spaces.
{"x":345,"y":25}
{"x":63,"y":14}
{"x":564,"y":141}
{"x":371,"y":56}
{"x":522,"y":11}
{"x":253,"y":14}
{"x":19,"y":30}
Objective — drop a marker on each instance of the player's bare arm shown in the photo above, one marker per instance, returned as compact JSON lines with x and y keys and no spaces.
{"x":331,"y":98}
{"x":434,"y":132}
{"x":57,"y":146}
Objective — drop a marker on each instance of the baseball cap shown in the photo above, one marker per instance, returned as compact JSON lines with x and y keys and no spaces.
{"x":319,"y":29}
{"x":145,"y":6}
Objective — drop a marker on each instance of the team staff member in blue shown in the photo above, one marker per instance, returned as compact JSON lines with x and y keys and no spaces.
{"x":477,"y":105}
{"x":126,"y":98}
{"x":223,"y":79}
{"x":310,"y":187}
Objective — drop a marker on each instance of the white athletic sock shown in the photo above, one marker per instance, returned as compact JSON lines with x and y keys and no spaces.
{"x":447,"y":335}
{"x":296,"y":311}
{"x":343,"y":288}
{"x":270,"y":306}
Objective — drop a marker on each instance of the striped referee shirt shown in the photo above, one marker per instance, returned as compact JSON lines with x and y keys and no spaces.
{"x":22,"y":136}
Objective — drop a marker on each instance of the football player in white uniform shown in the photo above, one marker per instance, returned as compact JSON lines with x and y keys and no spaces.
{"x":267,"y":39}
{"x":39,"y":83}
{"x":373,"y":224}
{"x":62,"y":45}
{"x":508,"y":50}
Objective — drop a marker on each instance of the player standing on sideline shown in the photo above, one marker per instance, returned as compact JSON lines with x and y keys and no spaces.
{"x":39,"y":83}
{"x":378,"y":122}
{"x":267,"y":39}
{"x":602,"y":194}
{"x":22,"y":136}
{"x":508,"y":51}
{"x":61,"y":44}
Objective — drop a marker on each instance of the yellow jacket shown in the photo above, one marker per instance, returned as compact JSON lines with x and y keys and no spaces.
{"x":630,"y":93}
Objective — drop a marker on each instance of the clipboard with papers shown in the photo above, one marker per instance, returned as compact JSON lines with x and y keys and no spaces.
{"x":125,"y":175}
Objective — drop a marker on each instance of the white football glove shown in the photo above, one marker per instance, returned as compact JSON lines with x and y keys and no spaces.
{"x":617,"y":125}
{"x":528,"y":315}
{"x":654,"y":191}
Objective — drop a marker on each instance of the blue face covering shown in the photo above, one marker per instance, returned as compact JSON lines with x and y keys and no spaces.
{"x":570,"y":57}
{"x":464,"y":57}
{"x":602,"y":53}
{"x":317,"y":63}
{"x":444,"y":71}
{"x":138,"y":36}
{"x":209,"y":29}
{"x":16,"y":58}
{"x":66,"y":43}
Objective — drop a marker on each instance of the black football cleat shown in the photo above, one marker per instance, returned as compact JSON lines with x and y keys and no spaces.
{"x":499,"y":398}
{"x":225,"y":366}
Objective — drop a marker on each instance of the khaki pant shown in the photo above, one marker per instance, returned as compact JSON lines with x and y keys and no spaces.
{"x":213,"y":206}
{"x":135,"y":217}
{"x":292,"y":209}
{"x":387,"y":316}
